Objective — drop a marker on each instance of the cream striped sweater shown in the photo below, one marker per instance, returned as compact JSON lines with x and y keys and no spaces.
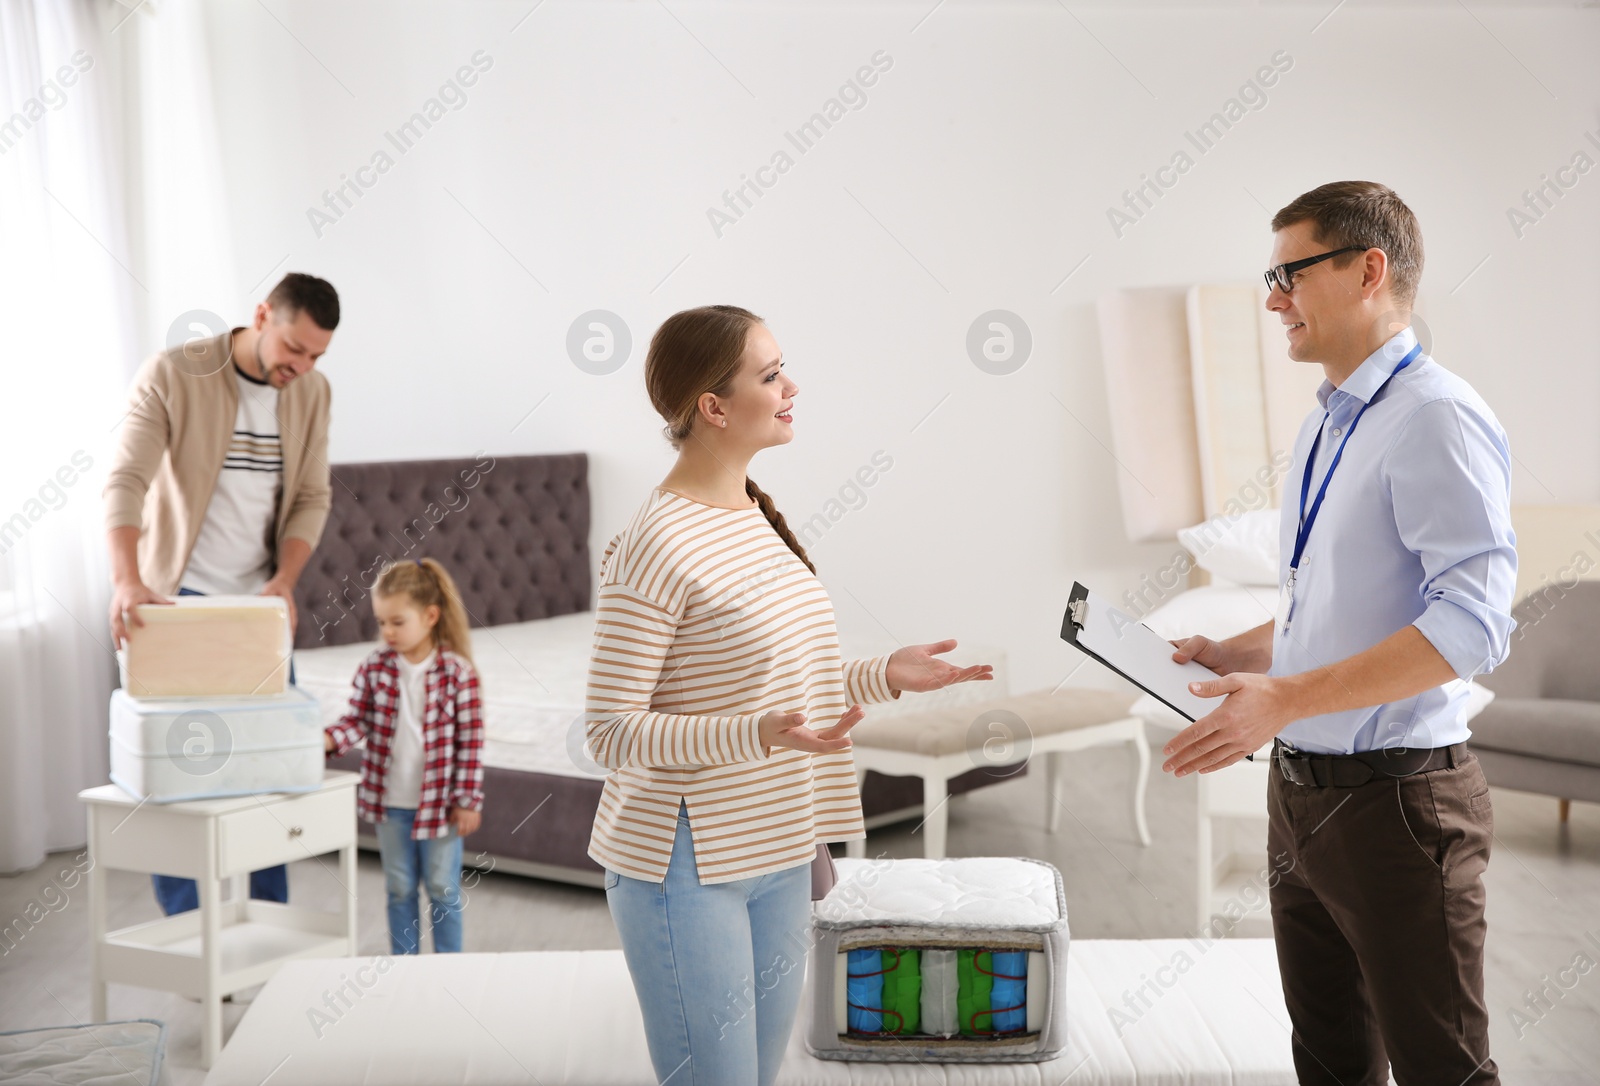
{"x":706,"y":621}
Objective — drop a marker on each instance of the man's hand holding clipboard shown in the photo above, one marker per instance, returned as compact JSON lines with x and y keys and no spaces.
{"x":1255,"y":708}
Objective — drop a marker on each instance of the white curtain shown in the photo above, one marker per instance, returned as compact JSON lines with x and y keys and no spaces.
{"x":183,"y":212}
{"x":97,"y":258}
{"x":66,"y":300}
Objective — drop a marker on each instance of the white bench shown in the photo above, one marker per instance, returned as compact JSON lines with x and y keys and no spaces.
{"x":1139,"y":1011}
{"x":948,"y":741}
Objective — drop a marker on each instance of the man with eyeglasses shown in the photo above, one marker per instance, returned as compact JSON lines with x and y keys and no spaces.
{"x":1398,"y":571}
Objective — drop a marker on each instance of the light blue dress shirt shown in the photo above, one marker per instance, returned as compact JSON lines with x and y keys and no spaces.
{"x":1415,"y":530}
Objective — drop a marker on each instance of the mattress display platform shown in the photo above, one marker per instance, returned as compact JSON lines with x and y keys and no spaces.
{"x":1141,"y":1011}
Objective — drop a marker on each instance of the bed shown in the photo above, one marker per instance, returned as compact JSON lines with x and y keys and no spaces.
{"x":1138,"y":1011}
{"x":514,"y":533}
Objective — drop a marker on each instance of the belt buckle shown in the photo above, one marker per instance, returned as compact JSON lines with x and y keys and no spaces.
{"x":1284,"y":752}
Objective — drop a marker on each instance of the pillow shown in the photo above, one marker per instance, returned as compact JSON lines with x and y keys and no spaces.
{"x":1217,"y":611}
{"x":1242,"y":549}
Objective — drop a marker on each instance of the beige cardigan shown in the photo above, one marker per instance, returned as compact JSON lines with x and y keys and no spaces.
{"x":170,"y":450}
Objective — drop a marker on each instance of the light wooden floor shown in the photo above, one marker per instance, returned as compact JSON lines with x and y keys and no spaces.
{"x":1543,"y":886}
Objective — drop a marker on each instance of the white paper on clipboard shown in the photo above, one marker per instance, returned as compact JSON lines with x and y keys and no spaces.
{"x":1134,"y":651}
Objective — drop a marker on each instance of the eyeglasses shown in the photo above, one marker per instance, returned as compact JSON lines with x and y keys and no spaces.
{"x":1283,"y":275}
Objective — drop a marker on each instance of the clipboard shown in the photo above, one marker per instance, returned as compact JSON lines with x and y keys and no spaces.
{"x":1134,"y":651}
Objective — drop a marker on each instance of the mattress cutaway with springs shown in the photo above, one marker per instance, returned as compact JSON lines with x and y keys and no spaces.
{"x":959,"y":960}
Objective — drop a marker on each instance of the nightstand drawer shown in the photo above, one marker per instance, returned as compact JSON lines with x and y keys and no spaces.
{"x":285,"y":828}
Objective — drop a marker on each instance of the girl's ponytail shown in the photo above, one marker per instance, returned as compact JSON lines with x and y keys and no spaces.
{"x":452,"y":629}
{"x":429,"y":584}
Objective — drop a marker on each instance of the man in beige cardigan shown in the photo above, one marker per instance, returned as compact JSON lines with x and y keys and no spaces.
{"x":220,"y":482}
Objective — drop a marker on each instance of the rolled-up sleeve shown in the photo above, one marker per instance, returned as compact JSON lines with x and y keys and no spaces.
{"x":1449,"y":474}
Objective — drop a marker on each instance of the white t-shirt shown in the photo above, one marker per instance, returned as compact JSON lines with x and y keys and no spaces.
{"x":233,"y":554}
{"x":402,"y":781}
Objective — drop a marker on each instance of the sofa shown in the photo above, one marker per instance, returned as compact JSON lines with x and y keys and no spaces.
{"x":1542,"y":731}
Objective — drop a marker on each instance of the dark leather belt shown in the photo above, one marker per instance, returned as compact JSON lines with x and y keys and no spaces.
{"x":1353,"y":770}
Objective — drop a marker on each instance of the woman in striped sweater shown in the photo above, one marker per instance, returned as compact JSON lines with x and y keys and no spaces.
{"x":718,"y":698}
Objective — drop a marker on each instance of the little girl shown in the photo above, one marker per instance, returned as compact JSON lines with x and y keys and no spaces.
{"x":416,"y":701}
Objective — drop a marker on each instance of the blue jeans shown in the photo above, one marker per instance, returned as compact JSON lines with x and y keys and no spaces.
{"x":178,"y":895}
{"x":436,"y":862}
{"x":718,"y":969}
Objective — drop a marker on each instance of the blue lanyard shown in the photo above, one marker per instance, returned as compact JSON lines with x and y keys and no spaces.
{"x":1307,"y":520}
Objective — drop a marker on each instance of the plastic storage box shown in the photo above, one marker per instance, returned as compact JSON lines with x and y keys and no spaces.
{"x":169,"y":749}
{"x":204,"y":646}
{"x":940,"y":961}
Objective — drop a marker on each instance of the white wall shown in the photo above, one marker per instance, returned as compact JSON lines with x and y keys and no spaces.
{"x":976,"y":177}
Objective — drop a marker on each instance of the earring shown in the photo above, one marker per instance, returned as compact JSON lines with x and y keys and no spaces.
{"x":724,"y":424}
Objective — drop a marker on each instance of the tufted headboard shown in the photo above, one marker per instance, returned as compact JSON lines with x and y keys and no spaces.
{"x":512,"y":530}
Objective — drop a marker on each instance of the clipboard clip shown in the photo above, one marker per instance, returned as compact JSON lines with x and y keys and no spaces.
{"x":1078,"y":612}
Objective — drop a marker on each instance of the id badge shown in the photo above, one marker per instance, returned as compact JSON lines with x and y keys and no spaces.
{"x":1285,"y":604}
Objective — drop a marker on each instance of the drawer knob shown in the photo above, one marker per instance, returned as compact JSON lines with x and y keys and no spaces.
{"x":295,"y":831}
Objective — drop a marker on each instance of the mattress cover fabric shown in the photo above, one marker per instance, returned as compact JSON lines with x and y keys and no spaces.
{"x":126,"y":1053}
{"x":207,"y":646}
{"x":962,"y":892}
{"x":269,"y":720}
{"x":172,"y":749}
{"x":1143,"y":1011}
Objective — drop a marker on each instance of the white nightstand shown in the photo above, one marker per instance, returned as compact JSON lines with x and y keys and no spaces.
{"x":224,"y":946}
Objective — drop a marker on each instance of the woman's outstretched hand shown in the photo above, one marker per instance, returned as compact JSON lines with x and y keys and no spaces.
{"x":918,"y":669}
{"x":780,"y":729}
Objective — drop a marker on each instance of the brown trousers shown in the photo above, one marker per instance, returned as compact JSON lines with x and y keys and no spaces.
{"x":1378,"y":919}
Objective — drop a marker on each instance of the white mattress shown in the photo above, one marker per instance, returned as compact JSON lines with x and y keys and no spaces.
{"x":967,"y":892}
{"x":126,"y":1053}
{"x":570,"y":1018}
{"x":533,"y":676}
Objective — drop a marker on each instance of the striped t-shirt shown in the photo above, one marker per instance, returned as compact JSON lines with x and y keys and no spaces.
{"x":705,"y":622}
{"x":234,"y":552}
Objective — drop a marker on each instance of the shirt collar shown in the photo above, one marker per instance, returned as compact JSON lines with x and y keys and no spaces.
{"x":400,"y":663}
{"x":1368,"y":377}
{"x":423,"y":665}
{"x":238,"y":369}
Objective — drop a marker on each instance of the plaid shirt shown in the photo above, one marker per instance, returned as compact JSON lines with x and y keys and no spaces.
{"x":452,"y":738}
